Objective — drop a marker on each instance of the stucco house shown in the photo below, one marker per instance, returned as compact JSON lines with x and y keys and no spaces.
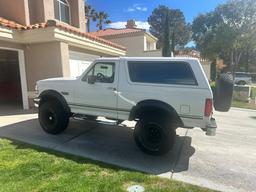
{"x":43,"y":39}
{"x":139,"y":42}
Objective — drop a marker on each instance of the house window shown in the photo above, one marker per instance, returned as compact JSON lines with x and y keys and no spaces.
{"x":62,"y":10}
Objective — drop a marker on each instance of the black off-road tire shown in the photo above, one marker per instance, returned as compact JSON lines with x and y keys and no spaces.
{"x":154,"y":135}
{"x":53,"y":118}
{"x":223,"y":93}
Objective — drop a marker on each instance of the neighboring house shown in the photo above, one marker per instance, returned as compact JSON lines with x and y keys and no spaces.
{"x":43,"y":39}
{"x":138,"y":42}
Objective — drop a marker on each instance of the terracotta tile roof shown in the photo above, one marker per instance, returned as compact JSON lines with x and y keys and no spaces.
{"x":9,"y":24}
{"x":62,"y":26}
{"x":112,"y":32}
{"x":13,"y":25}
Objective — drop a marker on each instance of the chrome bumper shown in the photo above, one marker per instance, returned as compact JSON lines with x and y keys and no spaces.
{"x":36,"y":102}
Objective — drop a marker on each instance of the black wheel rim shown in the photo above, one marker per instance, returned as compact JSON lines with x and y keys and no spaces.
{"x":152,"y":136}
{"x":49,"y":118}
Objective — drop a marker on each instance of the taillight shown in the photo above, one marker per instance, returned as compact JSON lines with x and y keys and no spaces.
{"x":208,"y":108}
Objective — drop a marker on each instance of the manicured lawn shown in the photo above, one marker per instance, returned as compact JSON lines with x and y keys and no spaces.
{"x":245,"y":105}
{"x":28,"y":168}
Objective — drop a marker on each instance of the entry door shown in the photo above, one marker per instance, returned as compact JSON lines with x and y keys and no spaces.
{"x":96,"y":94}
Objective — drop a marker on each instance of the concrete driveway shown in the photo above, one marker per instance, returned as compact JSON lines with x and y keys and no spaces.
{"x":225,"y":162}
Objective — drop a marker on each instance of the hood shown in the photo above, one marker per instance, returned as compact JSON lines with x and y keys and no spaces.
{"x":59,"y":80}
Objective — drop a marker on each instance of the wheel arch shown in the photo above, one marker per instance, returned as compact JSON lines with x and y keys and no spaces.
{"x":52,"y":95}
{"x":156,"y":106}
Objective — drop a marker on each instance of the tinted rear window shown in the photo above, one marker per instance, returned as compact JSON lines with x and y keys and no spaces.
{"x":179,"y":73}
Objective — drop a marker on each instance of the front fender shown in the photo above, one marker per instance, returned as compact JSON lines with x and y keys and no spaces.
{"x":52,"y":95}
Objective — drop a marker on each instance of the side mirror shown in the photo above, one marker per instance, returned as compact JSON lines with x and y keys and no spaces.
{"x":91,"y":79}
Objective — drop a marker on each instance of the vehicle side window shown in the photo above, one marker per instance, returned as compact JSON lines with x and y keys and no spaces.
{"x":166,"y":72}
{"x":102,"y":73}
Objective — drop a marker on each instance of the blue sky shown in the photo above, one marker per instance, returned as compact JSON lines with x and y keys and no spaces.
{"x":120,"y":11}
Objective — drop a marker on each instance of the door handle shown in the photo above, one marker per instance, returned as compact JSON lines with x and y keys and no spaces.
{"x":111,"y":88}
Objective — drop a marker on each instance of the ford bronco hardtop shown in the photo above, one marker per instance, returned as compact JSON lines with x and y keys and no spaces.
{"x":160,"y":94}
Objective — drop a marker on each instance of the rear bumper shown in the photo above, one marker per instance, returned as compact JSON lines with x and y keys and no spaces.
{"x":211,"y":127}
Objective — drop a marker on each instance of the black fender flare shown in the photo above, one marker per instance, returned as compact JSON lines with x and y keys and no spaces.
{"x":54,"y":95}
{"x":144,"y":106}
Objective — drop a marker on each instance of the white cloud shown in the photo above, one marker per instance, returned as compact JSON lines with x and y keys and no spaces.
{"x":121,"y":24}
{"x":130,"y":9}
{"x":141,"y":8}
{"x":137,"y":7}
{"x":143,"y":25}
{"x":117,"y":25}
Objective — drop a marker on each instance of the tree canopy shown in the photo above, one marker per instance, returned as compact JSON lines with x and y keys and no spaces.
{"x":102,"y":18}
{"x":228,"y":32}
{"x":92,"y":15}
{"x":179,"y":30}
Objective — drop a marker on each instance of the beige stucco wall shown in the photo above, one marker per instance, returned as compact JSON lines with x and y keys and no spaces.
{"x":5,"y":44}
{"x":15,"y":10}
{"x":46,"y":60}
{"x":28,"y":12}
{"x":43,"y":10}
{"x":134,"y":44}
{"x":48,"y":10}
{"x":36,"y":11}
{"x":77,"y":14}
{"x":207,"y":68}
{"x":77,"y":49}
{"x":155,"y":53}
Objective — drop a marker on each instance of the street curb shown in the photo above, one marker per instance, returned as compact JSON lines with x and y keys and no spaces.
{"x":243,"y":109}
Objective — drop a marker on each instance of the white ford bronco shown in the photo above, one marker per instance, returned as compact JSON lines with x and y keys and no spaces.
{"x":160,"y":94}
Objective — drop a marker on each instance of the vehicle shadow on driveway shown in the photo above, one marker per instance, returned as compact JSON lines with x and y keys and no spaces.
{"x":109,"y":144}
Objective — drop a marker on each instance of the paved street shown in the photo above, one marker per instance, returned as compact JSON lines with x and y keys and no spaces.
{"x":225,"y":162}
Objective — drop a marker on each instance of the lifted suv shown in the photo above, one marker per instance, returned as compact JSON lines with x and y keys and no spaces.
{"x":160,"y":94}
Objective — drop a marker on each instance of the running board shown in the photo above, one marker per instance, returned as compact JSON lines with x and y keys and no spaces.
{"x":103,"y":122}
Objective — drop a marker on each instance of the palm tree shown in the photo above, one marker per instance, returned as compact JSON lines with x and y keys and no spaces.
{"x":90,"y":14}
{"x":102,"y":18}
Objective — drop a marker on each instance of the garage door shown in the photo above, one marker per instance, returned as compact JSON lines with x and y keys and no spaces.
{"x":79,"y":62}
{"x":10,"y":84}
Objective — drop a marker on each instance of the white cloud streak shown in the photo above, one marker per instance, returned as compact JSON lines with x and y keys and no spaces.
{"x":121,"y":24}
{"x":137,"y":7}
